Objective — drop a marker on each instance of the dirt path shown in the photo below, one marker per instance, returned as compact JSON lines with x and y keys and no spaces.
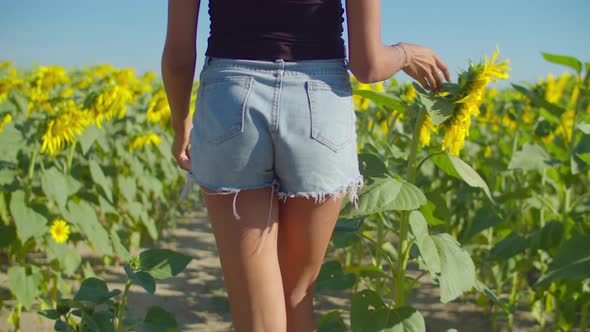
{"x":198,"y":299}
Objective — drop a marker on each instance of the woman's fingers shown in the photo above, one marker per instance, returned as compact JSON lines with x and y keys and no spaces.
{"x":181,"y":152}
{"x":438,"y":78}
{"x":445,"y":70}
{"x":433,"y":82}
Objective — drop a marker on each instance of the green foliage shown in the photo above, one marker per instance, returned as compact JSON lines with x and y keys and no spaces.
{"x":98,"y":308}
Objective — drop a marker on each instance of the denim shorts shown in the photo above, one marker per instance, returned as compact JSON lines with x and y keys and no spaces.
{"x":289,"y":125}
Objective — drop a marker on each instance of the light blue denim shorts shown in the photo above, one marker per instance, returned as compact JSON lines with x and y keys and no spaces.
{"x":289,"y":125}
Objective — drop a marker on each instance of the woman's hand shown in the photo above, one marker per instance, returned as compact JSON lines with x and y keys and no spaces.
{"x":424,"y":66}
{"x":181,"y":151}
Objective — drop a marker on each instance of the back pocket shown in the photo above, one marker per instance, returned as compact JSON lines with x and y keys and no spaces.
{"x":332,"y":113}
{"x":221,"y":106}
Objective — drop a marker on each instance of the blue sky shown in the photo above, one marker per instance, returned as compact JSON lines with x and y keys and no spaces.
{"x":130,"y":33}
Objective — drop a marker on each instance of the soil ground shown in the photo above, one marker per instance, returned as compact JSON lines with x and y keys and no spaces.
{"x":198,"y":299}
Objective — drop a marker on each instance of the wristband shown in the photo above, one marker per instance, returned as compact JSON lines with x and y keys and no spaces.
{"x":403,"y":54}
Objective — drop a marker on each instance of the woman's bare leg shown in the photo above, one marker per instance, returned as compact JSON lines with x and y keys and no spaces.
{"x":304,"y":233}
{"x":253,"y":281}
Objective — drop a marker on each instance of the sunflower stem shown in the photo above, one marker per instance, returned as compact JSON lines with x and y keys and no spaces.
{"x":403,"y":249}
{"x":32,"y":165}
{"x":121,"y":309}
{"x":70,"y":157}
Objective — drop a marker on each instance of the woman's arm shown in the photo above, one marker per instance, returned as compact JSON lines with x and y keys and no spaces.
{"x":372,"y":61}
{"x":178,"y":70}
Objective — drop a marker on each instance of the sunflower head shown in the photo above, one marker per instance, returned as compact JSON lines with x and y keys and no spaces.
{"x":143,"y":140}
{"x":60,"y":231}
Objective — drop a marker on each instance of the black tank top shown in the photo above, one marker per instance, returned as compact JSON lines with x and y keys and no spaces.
{"x":276,"y":29}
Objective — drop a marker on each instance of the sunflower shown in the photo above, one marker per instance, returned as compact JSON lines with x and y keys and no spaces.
{"x":158,"y":109}
{"x":143,"y":140}
{"x":62,"y":129}
{"x":7,"y":118}
{"x":473,"y":84}
{"x":60,"y":231}
{"x":425,"y":130}
{"x":109,"y":104}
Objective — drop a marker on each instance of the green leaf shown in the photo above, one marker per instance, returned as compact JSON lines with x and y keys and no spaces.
{"x":385,"y":194}
{"x":443,"y":162}
{"x":438,"y":108}
{"x":60,"y":326}
{"x":120,"y":250}
{"x":84,"y":216}
{"x":428,"y":211}
{"x":159,"y":320}
{"x":457,"y":269}
{"x":94,"y":290}
{"x":345,"y":232}
{"x":529,"y":157}
{"x":162,"y":263}
{"x":406,"y":319}
{"x":105,"y":206}
{"x":127,"y":187}
{"x":510,"y":246}
{"x":99,"y":178}
{"x":331,"y":277}
{"x":374,"y":197}
{"x":332,"y":322}
{"x":585,"y":157}
{"x":58,"y":186}
{"x":372,"y":166}
{"x":517,"y":194}
{"x":485,"y":218}
{"x":7,"y":176}
{"x":540,"y":101}
{"x":151,"y":184}
{"x":371,"y":271}
{"x":150,"y":224}
{"x":28,"y":222}
{"x":584,"y":127}
{"x":482,"y":288}
{"x":409,"y":198}
{"x":57,"y":251}
{"x":71,"y":262}
{"x":24,"y":284}
{"x":141,"y":278}
{"x":380,"y":98}
{"x":470,"y":176}
{"x":425,"y":243}
{"x":11,"y":142}
{"x":104,"y":321}
{"x":135,"y":210}
{"x":348,"y":225}
{"x":49,"y":313}
{"x":565,"y":60}
{"x":571,"y":262}
{"x":7,"y":235}
{"x":369,"y":314}
{"x":548,"y":237}
{"x":90,"y":134}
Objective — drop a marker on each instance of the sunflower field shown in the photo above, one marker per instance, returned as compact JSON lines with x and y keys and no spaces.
{"x":482,"y":190}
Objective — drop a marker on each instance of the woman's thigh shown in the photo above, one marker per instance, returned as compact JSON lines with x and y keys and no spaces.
{"x":251,"y":270}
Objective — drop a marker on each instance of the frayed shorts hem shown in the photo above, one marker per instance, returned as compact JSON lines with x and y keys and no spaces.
{"x":231,"y":189}
{"x":351,"y":189}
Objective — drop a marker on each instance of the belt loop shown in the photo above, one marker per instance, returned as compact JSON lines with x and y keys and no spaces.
{"x":281,"y":62}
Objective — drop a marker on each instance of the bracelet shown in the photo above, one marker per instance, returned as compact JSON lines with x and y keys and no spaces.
{"x":404,"y":56}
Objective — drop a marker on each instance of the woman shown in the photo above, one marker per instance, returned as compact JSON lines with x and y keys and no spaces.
{"x":273,"y":142}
